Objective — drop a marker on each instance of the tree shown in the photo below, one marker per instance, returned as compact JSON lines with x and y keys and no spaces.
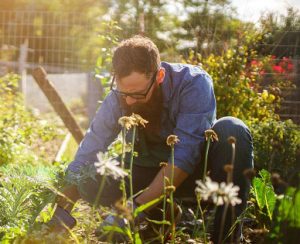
{"x":210,"y":24}
{"x":57,"y":31}
{"x":281,"y":34}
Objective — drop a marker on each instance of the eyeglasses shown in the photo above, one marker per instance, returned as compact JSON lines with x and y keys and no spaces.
{"x":135,"y":95}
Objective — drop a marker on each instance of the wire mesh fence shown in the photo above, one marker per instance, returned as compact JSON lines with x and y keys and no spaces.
{"x":51,"y":39}
{"x":55,"y":40}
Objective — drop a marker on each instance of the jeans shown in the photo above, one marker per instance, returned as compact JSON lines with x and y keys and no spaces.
{"x":220,"y":154}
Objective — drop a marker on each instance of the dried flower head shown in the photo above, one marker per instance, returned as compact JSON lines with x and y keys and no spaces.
{"x":211,"y":134}
{"x":106,"y":166}
{"x":219,"y":193}
{"x":170,"y":189}
{"x":127,"y":122}
{"x":249,"y":173}
{"x":163,"y":164}
{"x":231,"y":140}
{"x":139,"y":120}
{"x":278,"y":181}
{"x":124,"y":210}
{"x":172,"y":140}
{"x":228,"y":168}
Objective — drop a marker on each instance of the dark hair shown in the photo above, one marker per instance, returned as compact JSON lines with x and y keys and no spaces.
{"x":137,"y":54}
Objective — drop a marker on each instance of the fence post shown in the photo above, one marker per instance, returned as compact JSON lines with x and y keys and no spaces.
{"x":94,"y":94}
{"x":22,"y":66}
{"x":57,"y":103}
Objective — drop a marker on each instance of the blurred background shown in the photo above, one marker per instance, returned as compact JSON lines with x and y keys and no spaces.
{"x":72,"y":40}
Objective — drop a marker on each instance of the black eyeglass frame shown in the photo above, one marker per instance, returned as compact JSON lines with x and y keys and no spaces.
{"x":135,"y":95}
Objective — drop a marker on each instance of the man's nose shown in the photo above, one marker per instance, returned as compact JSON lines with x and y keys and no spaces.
{"x":130,"y":100}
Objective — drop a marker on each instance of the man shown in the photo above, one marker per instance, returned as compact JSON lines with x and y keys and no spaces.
{"x":176,"y":99}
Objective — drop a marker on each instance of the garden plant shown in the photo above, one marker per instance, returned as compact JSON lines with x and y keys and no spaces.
{"x":29,"y":180}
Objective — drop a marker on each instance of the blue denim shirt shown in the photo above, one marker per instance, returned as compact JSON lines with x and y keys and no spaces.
{"x":189,"y":108}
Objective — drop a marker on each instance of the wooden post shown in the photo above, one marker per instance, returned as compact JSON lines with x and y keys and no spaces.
{"x":22,"y":66}
{"x":57,"y":103}
{"x":95,"y":93}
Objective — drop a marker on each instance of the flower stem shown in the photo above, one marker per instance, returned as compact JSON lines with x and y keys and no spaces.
{"x":171,"y":196}
{"x":131,"y":164}
{"x":164,"y":210}
{"x":99,"y":191}
{"x":205,"y":159}
{"x":122,"y":166}
{"x":223,"y":222}
{"x":202,"y":217}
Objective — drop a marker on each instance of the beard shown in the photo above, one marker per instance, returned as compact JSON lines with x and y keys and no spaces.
{"x":150,"y":111}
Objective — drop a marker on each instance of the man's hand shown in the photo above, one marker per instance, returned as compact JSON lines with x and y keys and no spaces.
{"x":115,"y":220}
{"x":156,"y":188}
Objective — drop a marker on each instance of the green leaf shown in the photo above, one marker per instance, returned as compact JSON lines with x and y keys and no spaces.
{"x":264,"y":193}
{"x":258,"y":190}
{"x":162,"y":222}
{"x":270,"y":200}
{"x":113,"y":228}
{"x":137,"y":238}
{"x":145,"y":206}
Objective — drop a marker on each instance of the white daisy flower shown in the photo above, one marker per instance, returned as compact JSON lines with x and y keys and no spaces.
{"x":219,"y":193}
{"x":106,"y":166}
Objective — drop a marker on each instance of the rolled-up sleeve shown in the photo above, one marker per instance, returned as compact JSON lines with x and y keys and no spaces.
{"x":196,"y":113}
{"x":102,"y":131}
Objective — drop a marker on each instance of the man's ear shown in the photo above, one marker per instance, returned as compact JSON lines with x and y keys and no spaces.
{"x":160,"y":75}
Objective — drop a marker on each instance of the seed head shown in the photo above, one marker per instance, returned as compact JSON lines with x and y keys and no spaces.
{"x":249,"y":173}
{"x":163,"y":164}
{"x":172,"y":140}
{"x":228,"y":168}
{"x":127,"y":122}
{"x":139,"y":120}
{"x":211,"y":134}
{"x":231,"y":140}
{"x":170,"y":189}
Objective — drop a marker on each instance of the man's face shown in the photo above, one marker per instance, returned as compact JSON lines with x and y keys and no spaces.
{"x":137,"y":83}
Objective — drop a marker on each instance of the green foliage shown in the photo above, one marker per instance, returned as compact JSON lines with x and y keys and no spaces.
{"x":264,"y":194}
{"x":233,"y":79}
{"x":20,"y":130}
{"x":276,"y":145}
{"x":241,"y":92}
{"x":286,"y":226}
{"x":107,"y":34}
{"x":280,"y":33}
{"x":289,"y":208}
{"x":24,"y":192}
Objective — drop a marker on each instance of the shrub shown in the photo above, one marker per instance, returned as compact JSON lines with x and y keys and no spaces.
{"x":242,"y":91}
{"x":24,"y":192}
{"x":276,"y":145}
{"x":20,"y":129}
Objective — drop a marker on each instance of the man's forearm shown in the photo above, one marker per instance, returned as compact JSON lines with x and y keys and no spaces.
{"x":156,"y":188}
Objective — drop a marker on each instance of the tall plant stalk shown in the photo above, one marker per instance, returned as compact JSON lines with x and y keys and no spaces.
{"x":171,"y":196}
{"x":202,"y":217}
{"x":131,"y":164}
{"x":210,"y":136}
{"x":229,"y":170}
{"x":99,"y":192}
{"x":205,"y":158}
{"x":162,"y":233}
{"x":171,"y":141}
{"x":123,"y":187}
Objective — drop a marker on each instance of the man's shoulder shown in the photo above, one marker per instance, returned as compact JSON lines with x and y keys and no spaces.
{"x":180,"y":73}
{"x":182,"y":70}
